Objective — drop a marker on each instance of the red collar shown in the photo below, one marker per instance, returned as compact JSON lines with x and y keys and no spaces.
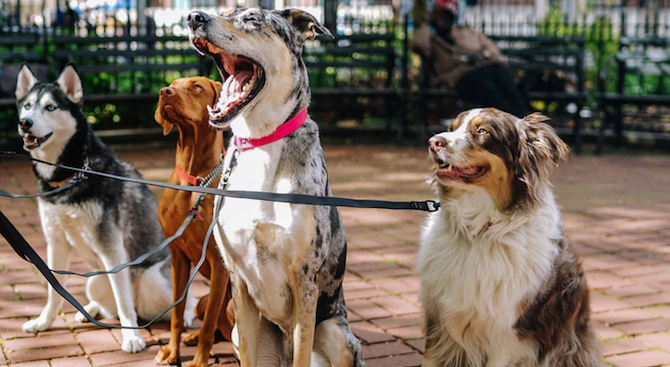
{"x":193,"y":180}
{"x":282,"y":131}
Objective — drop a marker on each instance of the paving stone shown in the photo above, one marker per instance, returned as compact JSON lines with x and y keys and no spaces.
{"x":620,"y":316}
{"x":369,"y":333}
{"x":640,"y":359}
{"x":407,"y":332}
{"x":645,"y":326}
{"x":45,"y":353}
{"x":32,"y":364}
{"x":385,"y":350}
{"x":629,"y":290}
{"x":660,"y":340}
{"x":98,"y":341}
{"x":367,"y":310}
{"x":408,"y":360}
{"x":40,"y":342}
{"x":622,"y":346}
{"x":606,"y":332}
{"x":119,"y":356}
{"x":71,"y":362}
{"x":395,"y":305}
{"x":399,"y":321}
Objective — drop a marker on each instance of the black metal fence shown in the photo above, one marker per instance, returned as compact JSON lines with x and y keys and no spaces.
{"x":608,"y":28}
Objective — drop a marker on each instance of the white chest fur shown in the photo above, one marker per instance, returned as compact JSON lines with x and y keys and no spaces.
{"x":255,"y":232}
{"x":478,"y":266}
{"x":73,"y":225}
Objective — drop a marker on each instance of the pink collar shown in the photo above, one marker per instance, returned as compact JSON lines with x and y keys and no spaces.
{"x":281,"y":132}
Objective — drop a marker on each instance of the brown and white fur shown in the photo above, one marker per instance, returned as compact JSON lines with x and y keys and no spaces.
{"x":500,"y":283}
{"x":286,"y":261}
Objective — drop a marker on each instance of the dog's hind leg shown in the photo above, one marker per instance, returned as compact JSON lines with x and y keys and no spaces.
{"x":181,"y":266}
{"x":59,"y":254}
{"x":101,"y":299}
{"x":334,"y":342}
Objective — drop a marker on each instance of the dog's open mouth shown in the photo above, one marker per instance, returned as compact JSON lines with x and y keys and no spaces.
{"x":31,"y":141}
{"x":243,"y":80}
{"x":447,"y":171}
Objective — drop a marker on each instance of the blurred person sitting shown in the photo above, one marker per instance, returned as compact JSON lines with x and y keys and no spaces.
{"x":464,"y":59}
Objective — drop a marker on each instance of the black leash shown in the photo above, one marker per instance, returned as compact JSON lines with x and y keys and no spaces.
{"x":73,"y":181}
{"x":24,"y":250}
{"x":21,"y":246}
{"x":428,"y":205}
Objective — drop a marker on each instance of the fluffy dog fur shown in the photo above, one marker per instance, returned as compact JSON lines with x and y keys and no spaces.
{"x":184,"y":104}
{"x":286,"y":261}
{"x":107,"y":222}
{"x":501,"y":284}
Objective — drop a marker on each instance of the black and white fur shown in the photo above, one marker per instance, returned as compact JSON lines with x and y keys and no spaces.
{"x":286,"y":261}
{"x":107,"y":222}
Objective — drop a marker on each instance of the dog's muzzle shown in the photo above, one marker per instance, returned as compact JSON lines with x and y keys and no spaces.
{"x":196,"y":19}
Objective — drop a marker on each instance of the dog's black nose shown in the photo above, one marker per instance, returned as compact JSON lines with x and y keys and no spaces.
{"x":437,"y":142}
{"x":26,"y":124}
{"x":196,"y":18}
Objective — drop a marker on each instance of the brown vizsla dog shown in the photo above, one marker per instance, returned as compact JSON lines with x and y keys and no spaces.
{"x":184,"y":104}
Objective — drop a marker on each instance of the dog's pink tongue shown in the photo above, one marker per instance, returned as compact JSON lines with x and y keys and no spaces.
{"x":470,"y":170}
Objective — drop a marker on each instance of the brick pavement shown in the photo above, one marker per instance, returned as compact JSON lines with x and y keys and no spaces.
{"x":616,"y":209}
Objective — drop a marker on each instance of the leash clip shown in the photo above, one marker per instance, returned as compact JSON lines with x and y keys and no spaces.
{"x":432,"y":205}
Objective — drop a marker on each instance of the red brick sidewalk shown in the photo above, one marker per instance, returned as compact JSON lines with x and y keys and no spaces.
{"x":616,"y":209}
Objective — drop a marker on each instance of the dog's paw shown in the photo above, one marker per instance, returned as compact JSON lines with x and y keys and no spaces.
{"x":191,"y":339}
{"x":133,"y":344}
{"x":35,"y":325}
{"x":167,"y":355}
{"x":92,"y":309}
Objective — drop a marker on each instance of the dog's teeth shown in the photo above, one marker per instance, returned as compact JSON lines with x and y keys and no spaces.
{"x":449,"y":168}
{"x":209,"y":109}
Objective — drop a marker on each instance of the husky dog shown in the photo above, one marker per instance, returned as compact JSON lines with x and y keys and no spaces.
{"x":107,"y":222}
{"x":286,"y":261}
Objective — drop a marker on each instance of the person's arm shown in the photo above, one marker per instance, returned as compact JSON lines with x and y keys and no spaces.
{"x":421,"y":40}
{"x":489,"y":49}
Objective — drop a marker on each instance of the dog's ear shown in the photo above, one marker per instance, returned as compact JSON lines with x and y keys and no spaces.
{"x":70,"y":84}
{"x":540,"y":150}
{"x":25,"y":81}
{"x":167,"y":125}
{"x":305,"y":23}
{"x":217,"y":90}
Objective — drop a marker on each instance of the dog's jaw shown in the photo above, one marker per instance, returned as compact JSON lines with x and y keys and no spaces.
{"x":284,"y":89}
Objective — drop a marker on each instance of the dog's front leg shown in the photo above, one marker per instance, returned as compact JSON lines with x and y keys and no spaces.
{"x":181,"y":267}
{"x":247,"y":318}
{"x":59,"y":254}
{"x":123,"y":296}
{"x":305,"y":297}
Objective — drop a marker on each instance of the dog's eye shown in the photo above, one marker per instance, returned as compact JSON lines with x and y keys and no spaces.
{"x":482,"y":131}
{"x":196,"y":87}
{"x":27,"y":106}
{"x":50,"y":107}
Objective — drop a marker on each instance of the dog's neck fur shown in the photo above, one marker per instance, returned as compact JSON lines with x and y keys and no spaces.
{"x":474,"y":214}
{"x":198,"y":152}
